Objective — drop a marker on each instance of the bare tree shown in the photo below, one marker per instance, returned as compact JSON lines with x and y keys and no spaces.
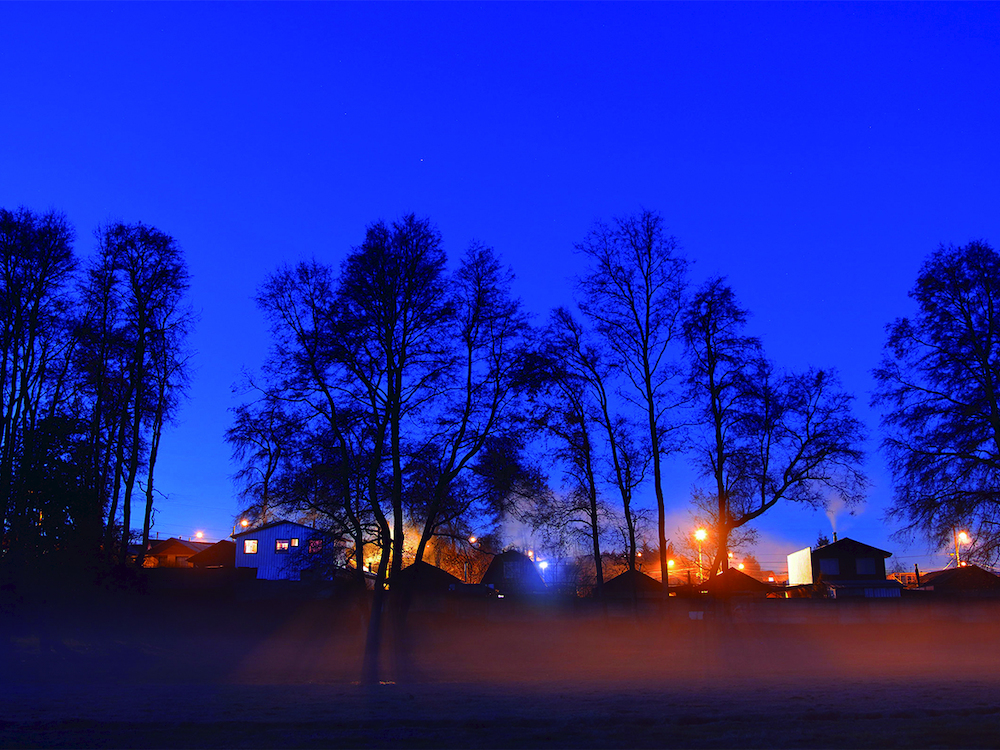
{"x":145,"y":270}
{"x":938,"y":387}
{"x":762,"y":438}
{"x":36,"y":266}
{"x":633,"y":295}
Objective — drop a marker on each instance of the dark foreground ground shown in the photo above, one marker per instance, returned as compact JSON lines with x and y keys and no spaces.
{"x":173,"y":671}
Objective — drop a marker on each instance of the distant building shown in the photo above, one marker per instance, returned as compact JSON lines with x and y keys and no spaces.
{"x":172,"y":553}
{"x":621,"y":586}
{"x":222,"y":554}
{"x":843,"y":569}
{"x":281,"y":550}
{"x":964,"y":581}
{"x":513,"y":573}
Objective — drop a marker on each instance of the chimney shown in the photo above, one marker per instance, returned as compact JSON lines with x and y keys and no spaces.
{"x":835,"y":536}
{"x":917,"y":571}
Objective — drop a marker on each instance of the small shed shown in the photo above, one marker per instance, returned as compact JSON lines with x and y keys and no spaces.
{"x":735,"y":583}
{"x":513,"y":573}
{"x":964,"y":581}
{"x":222,"y":554}
{"x":422,"y":578}
{"x":173,"y":553}
{"x":620,"y":587}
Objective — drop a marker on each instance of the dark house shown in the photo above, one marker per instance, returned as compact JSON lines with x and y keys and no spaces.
{"x":843,"y":569}
{"x":513,"y":573}
{"x":733,"y":583}
{"x":965,"y":581}
{"x":620,"y":587}
{"x":422,"y":578}
{"x":222,"y":554}
{"x":173,"y":553}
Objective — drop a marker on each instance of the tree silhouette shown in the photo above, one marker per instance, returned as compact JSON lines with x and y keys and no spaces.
{"x":937,"y":386}
{"x":633,"y":295}
{"x":759,"y":436}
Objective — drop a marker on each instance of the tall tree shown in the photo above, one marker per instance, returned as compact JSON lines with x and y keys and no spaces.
{"x":483,"y":400}
{"x":762,"y":438}
{"x":143,"y":270}
{"x":633,"y":295}
{"x":598,"y":445}
{"x":938,"y":388}
{"x":36,"y":266}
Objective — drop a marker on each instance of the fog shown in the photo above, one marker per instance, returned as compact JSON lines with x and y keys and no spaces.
{"x":160,"y":671}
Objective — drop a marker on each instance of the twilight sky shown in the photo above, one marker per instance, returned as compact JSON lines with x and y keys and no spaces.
{"x":814,"y":154}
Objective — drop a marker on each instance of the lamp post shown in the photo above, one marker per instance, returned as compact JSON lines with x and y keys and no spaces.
{"x":700,"y":535}
{"x":960,"y":538}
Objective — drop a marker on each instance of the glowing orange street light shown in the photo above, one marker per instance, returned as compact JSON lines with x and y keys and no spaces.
{"x":244,"y":523}
{"x":960,"y":538}
{"x":700,"y":535}
{"x":472,"y":539}
{"x":200,"y":534}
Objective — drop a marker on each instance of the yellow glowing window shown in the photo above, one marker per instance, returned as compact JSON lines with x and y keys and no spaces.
{"x":281,"y":545}
{"x":295,"y":542}
{"x":249,"y":546}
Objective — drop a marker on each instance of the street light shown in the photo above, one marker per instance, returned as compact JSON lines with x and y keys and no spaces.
{"x":960,"y":538}
{"x":700,"y":535}
{"x":670,"y":565}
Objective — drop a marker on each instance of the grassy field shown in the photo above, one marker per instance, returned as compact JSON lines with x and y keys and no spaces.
{"x":216,"y":671}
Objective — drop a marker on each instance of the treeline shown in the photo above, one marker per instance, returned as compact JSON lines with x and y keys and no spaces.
{"x":92,"y":367}
{"x":399,"y":395}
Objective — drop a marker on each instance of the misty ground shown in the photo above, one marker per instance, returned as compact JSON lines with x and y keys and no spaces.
{"x":217,"y":671}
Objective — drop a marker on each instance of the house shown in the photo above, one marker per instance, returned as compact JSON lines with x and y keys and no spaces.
{"x":172,"y":553}
{"x":732,"y":583}
{"x":620,"y":587}
{"x":282,"y":550}
{"x":965,"y":581}
{"x":513,"y":573}
{"x":222,"y":554}
{"x":422,"y":578}
{"x":843,"y":569}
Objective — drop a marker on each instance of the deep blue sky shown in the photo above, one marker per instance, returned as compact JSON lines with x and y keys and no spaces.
{"x":812,"y":153}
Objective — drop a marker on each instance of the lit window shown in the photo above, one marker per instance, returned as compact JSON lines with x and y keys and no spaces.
{"x":281,"y":545}
{"x":295,"y":542}
{"x":249,"y":546}
{"x":315,"y":546}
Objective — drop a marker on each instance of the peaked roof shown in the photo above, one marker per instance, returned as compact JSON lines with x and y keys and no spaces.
{"x":733,"y":581}
{"x":621,"y":585}
{"x":222,"y":554}
{"x":165,"y":546}
{"x":514,"y":572}
{"x":423,"y":576}
{"x":269,"y":524}
{"x":849,"y":548}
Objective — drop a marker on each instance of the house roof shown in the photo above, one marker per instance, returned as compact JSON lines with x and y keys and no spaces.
{"x":270,"y":524}
{"x":173,"y":545}
{"x":732,"y":581}
{"x":222,"y":554}
{"x":964,"y":578}
{"x":423,"y":576}
{"x":849,"y":548}
{"x":527,"y":578}
{"x":621,"y":585}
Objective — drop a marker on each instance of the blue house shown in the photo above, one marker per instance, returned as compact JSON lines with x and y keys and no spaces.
{"x":281,"y":550}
